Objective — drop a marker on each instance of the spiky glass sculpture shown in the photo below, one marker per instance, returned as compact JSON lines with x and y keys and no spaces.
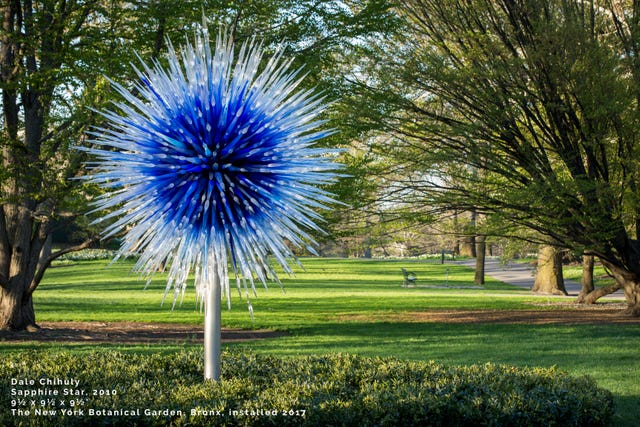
{"x":210,"y":163}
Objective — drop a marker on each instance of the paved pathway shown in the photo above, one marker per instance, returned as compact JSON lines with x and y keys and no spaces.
{"x":522,"y":275}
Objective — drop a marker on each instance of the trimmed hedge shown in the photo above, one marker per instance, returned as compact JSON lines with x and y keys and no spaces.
{"x":259,"y":390}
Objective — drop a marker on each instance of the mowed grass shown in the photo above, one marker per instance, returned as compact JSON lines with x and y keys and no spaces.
{"x":326,"y":289}
{"x":358,"y":306}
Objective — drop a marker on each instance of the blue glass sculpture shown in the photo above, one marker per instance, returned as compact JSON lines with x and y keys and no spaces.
{"x":211,"y":163}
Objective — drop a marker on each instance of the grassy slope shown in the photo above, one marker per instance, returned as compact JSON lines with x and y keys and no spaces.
{"x":331,"y":308}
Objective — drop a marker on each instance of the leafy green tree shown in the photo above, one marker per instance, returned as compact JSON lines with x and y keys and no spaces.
{"x":539,"y":95}
{"x":40,"y":72}
{"x":53,"y":59}
{"x":53,"y":56}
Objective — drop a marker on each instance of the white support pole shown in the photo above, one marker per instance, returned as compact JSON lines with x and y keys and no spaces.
{"x":212,"y":328}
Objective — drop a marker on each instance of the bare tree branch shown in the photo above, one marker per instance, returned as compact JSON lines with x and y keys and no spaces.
{"x":47,"y":262}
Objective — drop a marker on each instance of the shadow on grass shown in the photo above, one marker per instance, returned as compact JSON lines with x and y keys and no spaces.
{"x":626,"y":407}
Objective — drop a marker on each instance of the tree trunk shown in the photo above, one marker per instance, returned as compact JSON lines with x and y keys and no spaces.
{"x":16,"y":309}
{"x":626,"y":280}
{"x":20,"y":257}
{"x":481,"y":249}
{"x":368,"y":253}
{"x":588,"y":287}
{"x":26,"y":206}
{"x":468,"y":247}
{"x":632,"y":294}
{"x":549,"y":278}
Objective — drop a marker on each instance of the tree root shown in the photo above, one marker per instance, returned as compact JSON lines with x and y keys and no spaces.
{"x":593,"y":296}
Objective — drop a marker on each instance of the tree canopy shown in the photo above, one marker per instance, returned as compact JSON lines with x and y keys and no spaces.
{"x":55,"y":58}
{"x":524,"y":111}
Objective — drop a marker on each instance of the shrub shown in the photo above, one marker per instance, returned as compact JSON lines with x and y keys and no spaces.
{"x":88,"y":255}
{"x":328,"y":390}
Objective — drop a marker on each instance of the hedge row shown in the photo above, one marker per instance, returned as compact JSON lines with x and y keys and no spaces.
{"x":89,"y":255}
{"x":336,"y":390}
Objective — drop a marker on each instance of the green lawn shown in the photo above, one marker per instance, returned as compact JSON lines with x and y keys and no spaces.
{"x":359,"y":306}
{"x":600,"y":277}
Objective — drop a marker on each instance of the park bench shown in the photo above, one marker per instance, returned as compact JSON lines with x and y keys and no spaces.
{"x":409,"y":278}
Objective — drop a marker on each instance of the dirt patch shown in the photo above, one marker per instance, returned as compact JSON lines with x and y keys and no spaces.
{"x":150,"y":333}
{"x":558,"y":313}
{"x":129,"y":333}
